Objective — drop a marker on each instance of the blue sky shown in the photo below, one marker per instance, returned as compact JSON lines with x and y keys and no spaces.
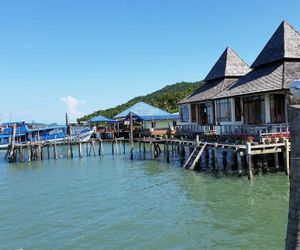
{"x":93,"y":55}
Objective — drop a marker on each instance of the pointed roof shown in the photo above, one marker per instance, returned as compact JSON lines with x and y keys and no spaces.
{"x":209,"y":90}
{"x":228,"y":65}
{"x":101,"y":119}
{"x":145,"y":111}
{"x":284,"y":43}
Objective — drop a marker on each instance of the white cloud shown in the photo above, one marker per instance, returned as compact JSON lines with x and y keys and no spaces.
{"x":73,"y":105}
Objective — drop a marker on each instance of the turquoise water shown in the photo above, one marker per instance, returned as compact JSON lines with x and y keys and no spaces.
{"x":115,"y":203}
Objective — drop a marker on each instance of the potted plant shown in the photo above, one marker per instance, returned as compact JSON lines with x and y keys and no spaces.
{"x":267,"y":140}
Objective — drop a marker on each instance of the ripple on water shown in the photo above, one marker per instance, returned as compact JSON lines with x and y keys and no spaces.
{"x":115,"y":203}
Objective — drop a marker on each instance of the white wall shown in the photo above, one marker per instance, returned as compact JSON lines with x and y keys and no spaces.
{"x":160,"y":124}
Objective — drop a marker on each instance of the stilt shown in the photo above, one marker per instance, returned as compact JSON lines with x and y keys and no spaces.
{"x":71,"y":149}
{"x":87,"y":148}
{"x":239,"y":162}
{"x":21,"y":153}
{"x":249,"y":161}
{"x":224,"y":154}
{"x":112,"y":147}
{"x":287,"y":156}
{"x":28,"y":153}
{"x":48,"y":151}
{"x":55,"y":151}
{"x":80,"y":150}
{"x":131,"y":136}
{"x":215,"y":156}
{"x":168,"y":153}
{"x":94,"y":149}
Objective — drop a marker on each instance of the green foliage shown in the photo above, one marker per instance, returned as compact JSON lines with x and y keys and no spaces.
{"x":165,"y":98}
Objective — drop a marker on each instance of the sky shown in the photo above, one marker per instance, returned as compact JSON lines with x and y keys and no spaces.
{"x":74,"y":56}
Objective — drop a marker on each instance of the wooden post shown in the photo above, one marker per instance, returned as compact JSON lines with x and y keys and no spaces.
{"x":293,"y":229}
{"x":80,"y":150}
{"x":131,"y":136}
{"x":276,"y":161}
{"x":168,"y":153}
{"x":224,"y":154}
{"x":99,"y":149}
{"x":112,"y":147}
{"x":287,"y":156}
{"x":144,"y":145}
{"x":29,"y":153}
{"x":215,"y":156}
{"x":71,"y":149}
{"x":87,"y":148}
{"x":68,"y":150}
{"x":22,"y":154}
{"x":94,"y":149}
{"x":11,"y":148}
{"x":239,"y":162}
{"x":48,"y":151}
{"x":41,"y":152}
{"x":249,"y":160}
{"x":55,"y":151}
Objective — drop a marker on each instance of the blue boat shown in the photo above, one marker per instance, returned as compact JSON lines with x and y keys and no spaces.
{"x":57,"y":133}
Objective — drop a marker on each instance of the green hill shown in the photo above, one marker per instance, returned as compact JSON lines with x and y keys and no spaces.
{"x":165,"y":98}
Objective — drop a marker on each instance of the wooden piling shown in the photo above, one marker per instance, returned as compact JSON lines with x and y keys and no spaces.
{"x":94,"y":149}
{"x":131,"y":136}
{"x":55,"y":151}
{"x":168,"y":153}
{"x":48,"y":151}
{"x":80,"y":150}
{"x":28,"y":153}
{"x":249,"y":160}
{"x":239,"y":162}
{"x":276,"y":161}
{"x":287,"y":156}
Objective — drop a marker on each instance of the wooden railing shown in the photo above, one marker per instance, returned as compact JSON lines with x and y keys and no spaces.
{"x":257,"y":130}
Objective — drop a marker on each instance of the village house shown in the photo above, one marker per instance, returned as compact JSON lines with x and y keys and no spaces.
{"x":149,"y":119}
{"x":247,"y":101}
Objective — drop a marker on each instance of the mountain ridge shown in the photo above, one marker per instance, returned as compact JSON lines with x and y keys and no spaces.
{"x":165,"y":98}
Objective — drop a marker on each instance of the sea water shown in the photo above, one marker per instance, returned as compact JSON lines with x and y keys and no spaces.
{"x":111,"y":202}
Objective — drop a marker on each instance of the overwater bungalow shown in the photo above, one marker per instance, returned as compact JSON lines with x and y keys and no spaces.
{"x":149,"y":120}
{"x":255,"y":101}
{"x":198,"y":111}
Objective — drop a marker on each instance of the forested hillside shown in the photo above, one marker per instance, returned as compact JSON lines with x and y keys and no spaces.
{"x":165,"y":98}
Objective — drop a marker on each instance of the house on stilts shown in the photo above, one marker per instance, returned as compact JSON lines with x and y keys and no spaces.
{"x":148,"y":120}
{"x":238,"y":100}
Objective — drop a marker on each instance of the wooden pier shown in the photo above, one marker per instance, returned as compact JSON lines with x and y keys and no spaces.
{"x":242,"y":158}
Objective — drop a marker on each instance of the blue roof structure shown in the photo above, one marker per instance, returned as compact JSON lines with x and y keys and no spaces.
{"x":146,"y":112}
{"x":101,"y":119}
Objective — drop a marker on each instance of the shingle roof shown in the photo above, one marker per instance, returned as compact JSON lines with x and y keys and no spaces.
{"x":261,"y":79}
{"x":291,"y":72}
{"x":142,"y":109}
{"x":224,"y":73}
{"x":284,"y":43}
{"x":209,"y":90}
{"x":228,"y":65}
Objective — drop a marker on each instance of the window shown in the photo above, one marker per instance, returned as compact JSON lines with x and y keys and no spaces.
{"x":193,"y":112}
{"x":174,"y":123}
{"x":224,"y":110}
{"x":153,"y":124}
{"x":184,"y":113}
{"x":277,"y":108}
{"x":254,"y":110}
{"x":238,"y":109}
